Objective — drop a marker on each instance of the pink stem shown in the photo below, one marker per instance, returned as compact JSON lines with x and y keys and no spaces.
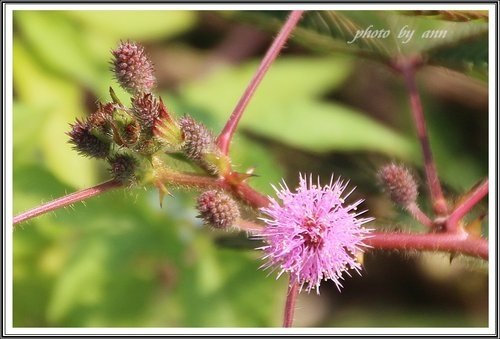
{"x":226,"y":135}
{"x":407,"y":68}
{"x":447,"y":242}
{"x":462,"y":209}
{"x":291,"y":298}
{"x":67,"y":200}
{"x":420,"y":216}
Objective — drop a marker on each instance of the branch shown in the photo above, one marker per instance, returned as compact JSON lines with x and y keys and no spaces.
{"x":462,"y":209}
{"x":445,"y":242}
{"x":67,"y":200}
{"x":407,"y":68}
{"x":226,"y":134}
{"x":291,"y":298}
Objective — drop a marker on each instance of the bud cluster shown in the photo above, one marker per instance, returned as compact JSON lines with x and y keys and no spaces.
{"x":128,"y":137}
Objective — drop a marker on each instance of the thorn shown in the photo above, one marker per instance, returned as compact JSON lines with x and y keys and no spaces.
{"x":452,"y":256}
{"x":162,"y":190}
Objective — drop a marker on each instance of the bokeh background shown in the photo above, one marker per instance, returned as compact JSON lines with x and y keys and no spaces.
{"x":121,"y":260}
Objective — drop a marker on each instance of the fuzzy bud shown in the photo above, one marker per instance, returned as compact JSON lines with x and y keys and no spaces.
{"x":217,"y":209}
{"x":197,"y":138}
{"x":123,"y":168}
{"x":199,"y":144}
{"x":400,"y":184}
{"x":132,"y":68}
{"x":86,"y":142}
{"x":146,"y":108}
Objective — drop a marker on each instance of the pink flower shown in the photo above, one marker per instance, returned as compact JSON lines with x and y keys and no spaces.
{"x":313,"y":234}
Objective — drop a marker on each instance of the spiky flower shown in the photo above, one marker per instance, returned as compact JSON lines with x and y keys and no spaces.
{"x":217,"y":209}
{"x":313,"y":234}
{"x":132,"y":68}
{"x":400,"y":184}
{"x":86,"y":142}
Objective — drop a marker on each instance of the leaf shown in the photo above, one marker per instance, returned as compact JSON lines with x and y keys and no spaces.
{"x":469,"y":55}
{"x":142,"y":25}
{"x":57,"y":42}
{"x":460,"y":16}
{"x":384,"y":35}
{"x":287,"y":107}
{"x":326,"y":31}
{"x":56,"y":103}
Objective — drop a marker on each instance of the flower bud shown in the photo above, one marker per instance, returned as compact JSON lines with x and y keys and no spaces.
{"x":132,"y":68}
{"x":199,"y":145}
{"x":123,"y":168}
{"x":217,"y":209}
{"x":400,"y":184}
{"x":87,"y":142}
{"x":145,"y":107}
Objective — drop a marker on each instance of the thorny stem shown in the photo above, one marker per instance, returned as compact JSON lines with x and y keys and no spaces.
{"x":407,"y":68}
{"x":67,"y":200}
{"x":224,"y":138}
{"x":445,"y":242}
{"x":291,"y":298}
{"x":462,"y":209}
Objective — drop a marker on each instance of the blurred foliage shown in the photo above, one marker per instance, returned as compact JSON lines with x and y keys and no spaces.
{"x":120,"y":260}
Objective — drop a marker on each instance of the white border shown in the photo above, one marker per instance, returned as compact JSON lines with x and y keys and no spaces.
{"x":9,"y":8}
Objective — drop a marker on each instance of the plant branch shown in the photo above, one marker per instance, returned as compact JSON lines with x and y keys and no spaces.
{"x":291,"y":298}
{"x":224,"y":138}
{"x":462,"y":209}
{"x":67,"y":200}
{"x":407,"y":68}
{"x":420,"y":216}
{"x":444,"y":242}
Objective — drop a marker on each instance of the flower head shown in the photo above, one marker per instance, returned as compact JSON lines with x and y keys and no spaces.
{"x":217,"y":209}
{"x":313,"y":234}
{"x":132,"y":67}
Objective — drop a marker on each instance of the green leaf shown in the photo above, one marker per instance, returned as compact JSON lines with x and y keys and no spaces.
{"x":468,"y":55}
{"x":56,"y":103}
{"x":57,"y":43}
{"x":458,"y":41}
{"x":143,"y":25}
{"x":459,"y":16}
{"x":287,"y":107}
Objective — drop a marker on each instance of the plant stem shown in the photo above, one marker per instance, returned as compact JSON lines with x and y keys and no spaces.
{"x":462,"y":209}
{"x":67,"y":200}
{"x":447,"y":242}
{"x":291,"y":298}
{"x":224,"y":138}
{"x":420,"y":216}
{"x":407,"y":68}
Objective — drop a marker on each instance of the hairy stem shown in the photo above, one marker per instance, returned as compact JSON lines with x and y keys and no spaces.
{"x":407,"y":68}
{"x":461,"y":210}
{"x":420,"y":216}
{"x":291,"y":298}
{"x":67,"y":200}
{"x":224,"y":138}
{"x":444,"y":242}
